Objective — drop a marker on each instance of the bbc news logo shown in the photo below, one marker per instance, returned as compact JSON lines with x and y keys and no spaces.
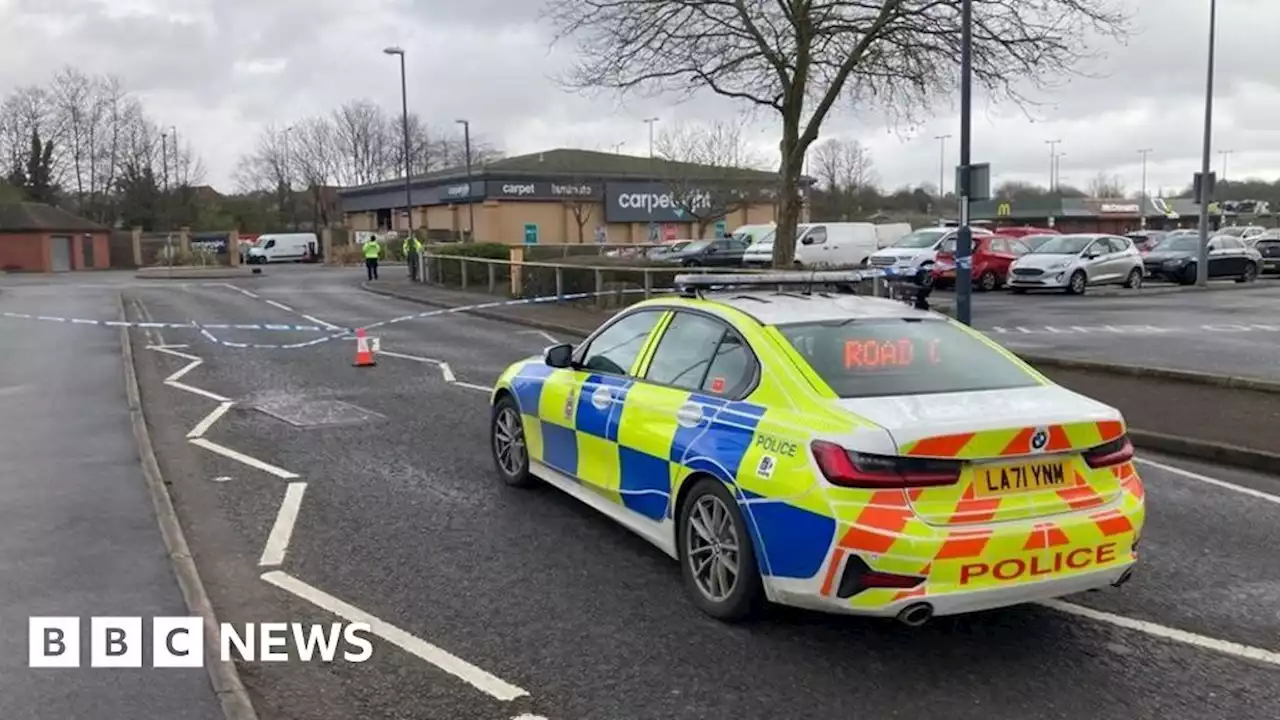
{"x":178,"y":642}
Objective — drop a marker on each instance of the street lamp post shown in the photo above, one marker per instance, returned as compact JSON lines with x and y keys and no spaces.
{"x":942,"y":167}
{"x":1057,"y":170}
{"x":653,"y":229}
{"x":1225,"y":154}
{"x":1206,"y":196}
{"x":1142,"y":199}
{"x":404,"y":121}
{"x":164,"y":169}
{"x":964,"y":237}
{"x":650,"y":122}
{"x":471,"y":205}
{"x":1053,"y":163}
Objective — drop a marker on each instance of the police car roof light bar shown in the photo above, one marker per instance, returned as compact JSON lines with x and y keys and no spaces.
{"x":690,"y":285}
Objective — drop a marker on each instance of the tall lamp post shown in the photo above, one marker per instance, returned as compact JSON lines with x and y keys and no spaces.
{"x":1206,"y":185}
{"x":1142,"y":198}
{"x":471,"y":205}
{"x":404,"y":122}
{"x":964,"y":238}
{"x":1053,"y":162}
{"x":164,"y":169}
{"x":942,"y":167}
{"x":1225,"y":154}
{"x":653,"y":229}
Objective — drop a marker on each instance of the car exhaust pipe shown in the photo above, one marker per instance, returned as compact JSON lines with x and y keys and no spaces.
{"x":916,"y":615}
{"x":1124,"y":578}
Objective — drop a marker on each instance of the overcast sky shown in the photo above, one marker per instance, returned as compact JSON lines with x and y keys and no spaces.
{"x":220,"y":70}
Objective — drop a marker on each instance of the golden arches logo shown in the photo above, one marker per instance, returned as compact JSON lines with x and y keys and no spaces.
{"x":1004,"y":210}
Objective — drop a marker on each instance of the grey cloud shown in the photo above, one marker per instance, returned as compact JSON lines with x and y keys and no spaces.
{"x":489,"y":60}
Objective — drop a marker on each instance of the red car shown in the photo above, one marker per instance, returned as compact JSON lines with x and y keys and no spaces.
{"x":992,"y":255}
{"x":1024,"y":230}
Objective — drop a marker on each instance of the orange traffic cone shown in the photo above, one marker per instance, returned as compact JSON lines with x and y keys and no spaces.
{"x":364,"y":352}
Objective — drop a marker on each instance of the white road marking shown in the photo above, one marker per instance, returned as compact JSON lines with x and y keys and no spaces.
{"x":222,"y":479}
{"x":1247,"y":652}
{"x":1213,"y":481}
{"x":445,"y":370}
{"x":544,"y":334}
{"x":321,"y":323}
{"x":527,"y":716}
{"x":489,"y":684}
{"x":197,"y":391}
{"x":237,"y":288}
{"x":244,"y":459}
{"x":282,"y":531}
{"x":200,"y":429}
{"x":280,"y":305}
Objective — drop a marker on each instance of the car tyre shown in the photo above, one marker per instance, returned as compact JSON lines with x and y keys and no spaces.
{"x":988,"y":281}
{"x":1188,"y":276}
{"x":508,"y":445}
{"x":1250,"y":273}
{"x":705,"y":555}
{"x":692,"y":263}
{"x":1134,"y":281}
{"x":1078,"y":283}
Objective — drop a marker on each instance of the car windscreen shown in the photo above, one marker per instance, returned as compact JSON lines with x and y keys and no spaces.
{"x":1179,"y":243}
{"x":1064,"y":245}
{"x":1035,"y":241}
{"x":876,"y":358}
{"x":923,"y":238}
{"x":695,"y":246}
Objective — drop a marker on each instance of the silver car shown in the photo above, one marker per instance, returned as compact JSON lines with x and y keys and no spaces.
{"x":1072,"y":263}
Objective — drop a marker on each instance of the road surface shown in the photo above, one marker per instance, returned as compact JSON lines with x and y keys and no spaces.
{"x":402,"y":519}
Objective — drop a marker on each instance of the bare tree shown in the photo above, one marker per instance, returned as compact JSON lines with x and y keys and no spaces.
{"x":799,"y":57}
{"x":1106,"y":186}
{"x":708,"y":170}
{"x":842,"y":166}
{"x":23,"y":112}
{"x":362,"y":142}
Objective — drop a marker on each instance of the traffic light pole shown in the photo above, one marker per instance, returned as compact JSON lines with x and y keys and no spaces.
{"x":964,"y":238}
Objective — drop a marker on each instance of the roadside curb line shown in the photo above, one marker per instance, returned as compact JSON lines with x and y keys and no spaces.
{"x":1187,"y":376}
{"x":1207,"y":450}
{"x":486,"y":314}
{"x":223,"y":675}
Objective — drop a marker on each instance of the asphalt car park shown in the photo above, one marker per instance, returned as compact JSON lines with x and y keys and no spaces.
{"x":403,"y":518}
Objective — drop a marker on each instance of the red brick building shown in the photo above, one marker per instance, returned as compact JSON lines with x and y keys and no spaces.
{"x":41,"y":238}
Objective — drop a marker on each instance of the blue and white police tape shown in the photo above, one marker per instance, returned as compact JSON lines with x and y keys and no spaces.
{"x":164,"y":325}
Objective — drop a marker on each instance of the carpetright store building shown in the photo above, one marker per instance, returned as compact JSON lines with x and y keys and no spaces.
{"x":569,"y":196}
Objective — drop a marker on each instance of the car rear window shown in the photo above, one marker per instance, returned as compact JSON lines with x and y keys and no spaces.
{"x":875,"y":358}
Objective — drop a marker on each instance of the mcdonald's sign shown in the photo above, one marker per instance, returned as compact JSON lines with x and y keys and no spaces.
{"x":1004,"y":209}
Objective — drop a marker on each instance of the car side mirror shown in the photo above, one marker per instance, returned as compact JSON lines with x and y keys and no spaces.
{"x":807,"y":241}
{"x":558,"y":356}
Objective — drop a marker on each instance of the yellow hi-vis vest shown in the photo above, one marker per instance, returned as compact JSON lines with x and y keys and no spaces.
{"x":412,"y":244}
{"x":372,"y":249}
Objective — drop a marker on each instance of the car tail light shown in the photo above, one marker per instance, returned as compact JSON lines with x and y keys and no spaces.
{"x":861,"y":470}
{"x":1116,"y":452}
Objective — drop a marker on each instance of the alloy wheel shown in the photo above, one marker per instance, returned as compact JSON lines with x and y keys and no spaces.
{"x":713,"y":551}
{"x":508,"y":442}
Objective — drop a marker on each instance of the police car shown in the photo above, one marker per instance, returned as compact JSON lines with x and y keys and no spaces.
{"x":826,"y":450}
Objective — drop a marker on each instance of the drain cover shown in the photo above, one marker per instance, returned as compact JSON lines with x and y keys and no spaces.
{"x":315,"y":413}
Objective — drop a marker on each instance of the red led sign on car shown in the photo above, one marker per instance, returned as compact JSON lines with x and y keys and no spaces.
{"x":873,"y":353}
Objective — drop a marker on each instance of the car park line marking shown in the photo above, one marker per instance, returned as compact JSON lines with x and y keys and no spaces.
{"x":1247,"y":652}
{"x":489,"y":684}
{"x":281,"y":305}
{"x":243,"y":459}
{"x":445,"y":370}
{"x":200,"y":429}
{"x":282,"y":530}
{"x":481,"y":388}
{"x":321,"y":323}
{"x":1267,"y":497}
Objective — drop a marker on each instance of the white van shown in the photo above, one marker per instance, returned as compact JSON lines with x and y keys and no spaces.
{"x":752,"y":234}
{"x":890,"y":233}
{"x":284,"y":247}
{"x":819,"y":245}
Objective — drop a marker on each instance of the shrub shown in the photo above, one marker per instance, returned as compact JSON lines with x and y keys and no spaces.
{"x":449,"y":272}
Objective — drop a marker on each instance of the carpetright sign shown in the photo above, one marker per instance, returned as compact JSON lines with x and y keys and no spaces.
{"x":653,"y":202}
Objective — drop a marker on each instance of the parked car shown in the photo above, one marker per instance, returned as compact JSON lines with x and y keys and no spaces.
{"x":1243,"y":232}
{"x":1034,"y":241}
{"x":667,"y":246}
{"x":1253,"y":240}
{"x":1024,"y":231}
{"x":992,"y":256}
{"x":1268,"y":248}
{"x":889,"y":233}
{"x":1072,"y":263}
{"x":1144,"y":240}
{"x":1176,"y":259}
{"x":917,"y":252}
{"x":719,"y":252}
{"x":821,"y":245}
{"x":752,"y":234}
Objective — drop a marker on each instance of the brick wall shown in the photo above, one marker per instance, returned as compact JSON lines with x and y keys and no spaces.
{"x":22,"y":251}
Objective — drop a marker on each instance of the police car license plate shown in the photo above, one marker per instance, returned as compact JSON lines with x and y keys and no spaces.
{"x":997,"y":480}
